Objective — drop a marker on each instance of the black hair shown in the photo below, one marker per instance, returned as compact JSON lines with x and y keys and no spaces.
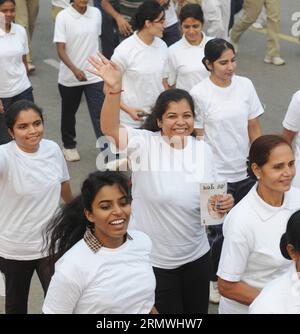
{"x":214,"y":49}
{"x":291,"y":235}
{"x":148,"y":10}
{"x":3,"y":1}
{"x":260,"y":151}
{"x":162,"y":104}
{"x":69,"y":223}
{"x":16,"y":108}
{"x":191,"y":11}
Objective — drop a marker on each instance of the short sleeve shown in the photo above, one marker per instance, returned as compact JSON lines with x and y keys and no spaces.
{"x":24,"y":42}
{"x":60,"y":35}
{"x":199,"y":109}
{"x":62,"y":295}
{"x":236,"y":249}
{"x":120,"y":57}
{"x":171,"y":70}
{"x":165,"y":66}
{"x":292,"y":118}
{"x":99,"y":22}
{"x":64,"y":167}
{"x":255,"y":107}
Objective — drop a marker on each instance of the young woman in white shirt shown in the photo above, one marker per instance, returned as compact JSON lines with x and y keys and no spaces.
{"x":282,"y":295}
{"x":227,"y":111}
{"x":168,"y":164}
{"x":142,"y":58}
{"x":76,"y":34}
{"x":252,"y":230}
{"x":15,"y":84}
{"x":185,"y":67}
{"x":33,"y":179}
{"x":102,"y":267}
{"x":291,"y":131}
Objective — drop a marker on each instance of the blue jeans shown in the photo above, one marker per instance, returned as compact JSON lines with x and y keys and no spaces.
{"x":7,"y":102}
{"x":172,"y":34}
{"x":70,"y":100}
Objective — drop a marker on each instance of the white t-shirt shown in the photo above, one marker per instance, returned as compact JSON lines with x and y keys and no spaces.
{"x":13,"y":76}
{"x":185,"y":68}
{"x":143,"y":67}
{"x":280,"y":296}
{"x":171,"y":17}
{"x":30,"y":187}
{"x":292,"y":122}
{"x":80,"y":33}
{"x":224,"y":114}
{"x":251,"y":254}
{"x":166,"y":195}
{"x":110,"y":281}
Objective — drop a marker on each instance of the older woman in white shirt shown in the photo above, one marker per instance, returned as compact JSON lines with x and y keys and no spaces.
{"x":185,"y":68}
{"x":167,"y":166}
{"x":282,"y":296}
{"x":252,"y":230}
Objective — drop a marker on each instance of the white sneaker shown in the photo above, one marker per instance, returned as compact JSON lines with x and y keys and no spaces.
{"x":71,"y":154}
{"x":257,"y":25}
{"x":278,"y":61}
{"x":214,"y":295}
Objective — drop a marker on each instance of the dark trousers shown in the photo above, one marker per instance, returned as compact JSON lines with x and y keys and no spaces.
{"x":18,"y":275}
{"x":70,"y":100}
{"x":184,"y":290}
{"x":172,"y":34}
{"x":215,"y":233}
{"x":7,"y":102}
{"x":109,"y":33}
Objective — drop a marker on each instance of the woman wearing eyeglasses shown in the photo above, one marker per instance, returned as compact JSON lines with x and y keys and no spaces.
{"x":142,"y":58}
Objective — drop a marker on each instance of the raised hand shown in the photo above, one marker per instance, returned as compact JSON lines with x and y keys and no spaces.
{"x":107,"y":70}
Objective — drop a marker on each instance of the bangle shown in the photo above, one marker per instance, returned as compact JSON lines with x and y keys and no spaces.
{"x":118,"y":92}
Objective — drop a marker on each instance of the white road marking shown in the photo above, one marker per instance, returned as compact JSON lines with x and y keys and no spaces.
{"x":52,"y":62}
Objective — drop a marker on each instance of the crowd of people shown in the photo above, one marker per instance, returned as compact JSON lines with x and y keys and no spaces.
{"x":163,"y":94}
